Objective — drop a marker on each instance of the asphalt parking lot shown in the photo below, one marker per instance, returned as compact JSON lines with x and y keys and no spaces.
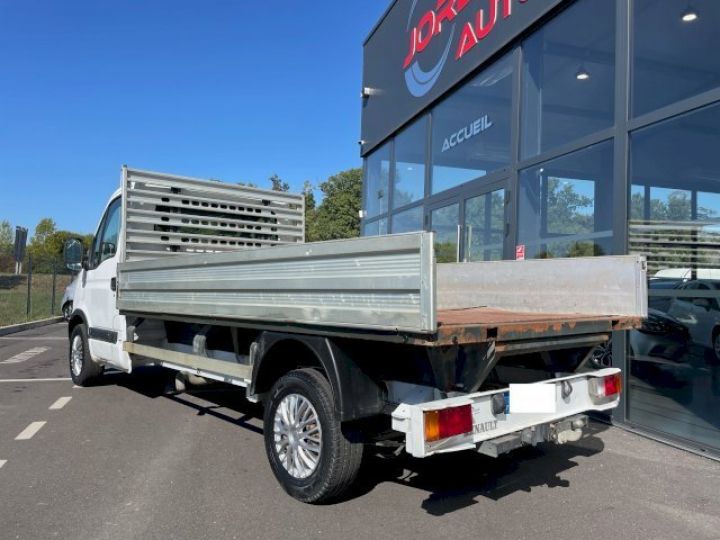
{"x":121,"y":460}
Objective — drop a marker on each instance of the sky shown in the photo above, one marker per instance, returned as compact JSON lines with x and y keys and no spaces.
{"x":234,"y":90}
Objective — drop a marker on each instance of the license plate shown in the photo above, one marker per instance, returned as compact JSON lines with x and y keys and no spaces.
{"x":532,"y":398}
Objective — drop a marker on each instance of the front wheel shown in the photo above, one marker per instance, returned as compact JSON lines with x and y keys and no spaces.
{"x":308,"y":452}
{"x":83,"y":369}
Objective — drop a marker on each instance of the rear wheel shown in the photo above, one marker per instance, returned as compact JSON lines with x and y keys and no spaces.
{"x":82,"y":368}
{"x":308,"y":452}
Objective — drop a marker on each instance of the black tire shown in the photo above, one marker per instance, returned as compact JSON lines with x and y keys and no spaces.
{"x":84,"y":371}
{"x":67,"y":311}
{"x":339,"y":459}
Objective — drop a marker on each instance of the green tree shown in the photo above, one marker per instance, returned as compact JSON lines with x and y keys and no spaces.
{"x":47,"y":245}
{"x":43,"y":230}
{"x":278,"y":184}
{"x":6,"y":234}
{"x":40,"y":250}
{"x":568,"y":211}
{"x":338,"y":216}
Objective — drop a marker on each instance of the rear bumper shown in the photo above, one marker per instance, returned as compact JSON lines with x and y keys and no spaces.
{"x":572,"y":397}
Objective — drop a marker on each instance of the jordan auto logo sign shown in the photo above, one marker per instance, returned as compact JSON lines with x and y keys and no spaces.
{"x":440,"y":24}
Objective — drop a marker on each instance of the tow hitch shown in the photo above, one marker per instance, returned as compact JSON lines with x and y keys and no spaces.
{"x":566,"y":430}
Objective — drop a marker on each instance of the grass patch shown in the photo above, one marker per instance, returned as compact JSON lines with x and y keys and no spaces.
{"x":13,"y":297}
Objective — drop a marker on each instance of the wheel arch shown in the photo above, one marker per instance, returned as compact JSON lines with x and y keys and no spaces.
{"x":77,"y":317}
{"x":355,"y":394}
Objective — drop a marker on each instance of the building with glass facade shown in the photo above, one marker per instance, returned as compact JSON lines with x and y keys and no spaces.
{"x":565,"y":128}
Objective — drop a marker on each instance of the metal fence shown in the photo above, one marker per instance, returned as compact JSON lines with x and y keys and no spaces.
{"x":32,"y":296}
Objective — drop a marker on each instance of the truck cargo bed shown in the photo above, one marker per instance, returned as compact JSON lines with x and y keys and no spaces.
{"x":390,"y":284}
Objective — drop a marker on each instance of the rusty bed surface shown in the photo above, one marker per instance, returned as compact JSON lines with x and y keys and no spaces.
{"x":483,"y":324}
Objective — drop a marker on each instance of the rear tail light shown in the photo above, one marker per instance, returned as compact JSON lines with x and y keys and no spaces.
{"x":609,"y":386}
{"x":448,"y":422}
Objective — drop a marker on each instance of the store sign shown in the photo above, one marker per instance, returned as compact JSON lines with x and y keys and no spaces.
{"x":440,"y":23}
{"x":422,"y":49}
{"x":465,"y":134}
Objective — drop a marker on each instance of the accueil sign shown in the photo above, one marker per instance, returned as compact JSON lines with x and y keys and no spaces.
{"x":477,"y":127}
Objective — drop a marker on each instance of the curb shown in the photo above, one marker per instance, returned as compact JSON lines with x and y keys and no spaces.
{"x":5,"y":330}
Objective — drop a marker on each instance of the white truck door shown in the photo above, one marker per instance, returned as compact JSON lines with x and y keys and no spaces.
{"x":100,"y":284}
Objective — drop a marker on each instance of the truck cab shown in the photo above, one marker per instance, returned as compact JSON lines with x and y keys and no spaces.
{"x":95,"y":301}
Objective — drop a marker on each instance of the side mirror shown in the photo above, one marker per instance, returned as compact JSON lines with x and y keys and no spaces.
{"x":73,"y":255}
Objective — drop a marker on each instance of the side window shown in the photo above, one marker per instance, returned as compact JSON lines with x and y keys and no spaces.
{"x":105,"y":245}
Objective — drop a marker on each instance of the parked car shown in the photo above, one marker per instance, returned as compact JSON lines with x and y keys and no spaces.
{"x":67,"y":299}
{"x":701,"y":313}
{"x":661,"y":339}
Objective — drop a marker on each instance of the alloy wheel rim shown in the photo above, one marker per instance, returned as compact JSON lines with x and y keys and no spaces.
{"x":76,"y":356}
{"x":297,"y":436}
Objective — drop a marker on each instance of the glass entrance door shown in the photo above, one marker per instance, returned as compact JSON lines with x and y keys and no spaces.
{"x":445,"y":222}
{"x":484,"y":227}
{"x":471,"y":226}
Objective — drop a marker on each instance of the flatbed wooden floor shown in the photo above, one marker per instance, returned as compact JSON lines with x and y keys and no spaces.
{"x":482,"y":324}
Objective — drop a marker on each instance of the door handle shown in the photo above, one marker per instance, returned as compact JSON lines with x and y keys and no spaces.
{"x":113,"y":284}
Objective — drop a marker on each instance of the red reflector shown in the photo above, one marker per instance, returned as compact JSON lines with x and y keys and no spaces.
{"x":613,"y":384}
{"x":455,"y":421}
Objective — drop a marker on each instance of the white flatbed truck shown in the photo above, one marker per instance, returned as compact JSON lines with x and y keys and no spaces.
{"x":347,"y":343}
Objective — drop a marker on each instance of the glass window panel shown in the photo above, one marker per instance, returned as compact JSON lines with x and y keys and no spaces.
{"x":471,"y":129}
{"x":445,"y":223}
{"x":377,"y":182}
{"x":566,"y":205}
{"x":708,"y":206}
{"x":672,"y":204}
{"x":637,"y":202}
{"x":408,"y":221}
{"x":672,"y":58}
{"x":675,"y":356}
{"x":376,"y":228}
{"x":569,"y":77}
{"x":485,"y":227}
{"x":410,"y":148}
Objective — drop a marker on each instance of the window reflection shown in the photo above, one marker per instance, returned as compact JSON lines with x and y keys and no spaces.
{"x":408,"y":221}
{"x":671,"y":58}
{"x":675,"y":223}
{"x":471,"y":129}
{"x":566,"y":205}
{"x":569,"y":77}
{"x":484,"y":227}
{"x":377,"y":182}
{"x":375,"y":228}
{"x":410,"y":164}
{"x":446,"y":223}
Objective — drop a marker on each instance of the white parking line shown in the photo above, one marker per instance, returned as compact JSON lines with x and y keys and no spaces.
{"x":55,"y":379}
{"x":2,"y":462}
{"x":30,"y":431}
{"x":60,"y":403}
{"x":33,"y":338}
{"x":27,"y":355}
